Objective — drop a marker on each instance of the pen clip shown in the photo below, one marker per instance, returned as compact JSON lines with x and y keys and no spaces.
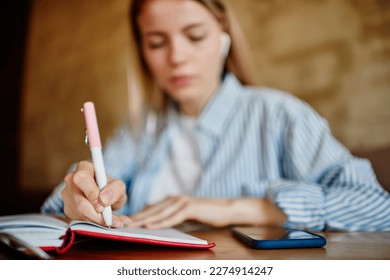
{"x":86,"y":139}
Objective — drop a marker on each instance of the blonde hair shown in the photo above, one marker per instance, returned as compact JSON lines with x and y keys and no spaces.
{"x":144,"y":96}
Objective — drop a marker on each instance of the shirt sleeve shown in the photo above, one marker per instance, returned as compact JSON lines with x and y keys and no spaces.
{"x":119,"y":161}
{"x":324,"y":187}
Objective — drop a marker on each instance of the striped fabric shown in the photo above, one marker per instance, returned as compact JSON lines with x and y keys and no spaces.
{"x":257,"y":142}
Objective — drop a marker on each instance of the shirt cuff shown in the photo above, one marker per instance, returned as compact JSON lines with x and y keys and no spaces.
{"x":302,"y":203}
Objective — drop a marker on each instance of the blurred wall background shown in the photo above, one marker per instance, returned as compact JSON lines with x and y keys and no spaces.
{"x":77,"y":52}
{"x":334,"y":54}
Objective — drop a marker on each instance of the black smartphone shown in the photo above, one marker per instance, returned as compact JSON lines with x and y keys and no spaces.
{"x":277,"y":238}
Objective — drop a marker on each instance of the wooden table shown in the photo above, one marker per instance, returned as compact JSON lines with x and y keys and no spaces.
{"x":340,"y":246}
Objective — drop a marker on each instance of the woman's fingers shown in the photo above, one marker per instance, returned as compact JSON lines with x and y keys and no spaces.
{"x":114,"y":194}
{"x":83,"y":200}
{"x":77,"y":206}
{"x":165,"y":208}
{"x":170,"y":221}
{"x":175,"y":210}
{"x":83,"y":181}
{"x":166,"y":213}
{"x":86,"y":166}
{"x":151,"y":210}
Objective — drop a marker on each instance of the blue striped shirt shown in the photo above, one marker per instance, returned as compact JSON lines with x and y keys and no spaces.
{"x":256,"y":142}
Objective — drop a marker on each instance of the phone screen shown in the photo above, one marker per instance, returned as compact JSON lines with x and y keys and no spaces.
{"x":271,"y":233}
{"x":277,"y":237}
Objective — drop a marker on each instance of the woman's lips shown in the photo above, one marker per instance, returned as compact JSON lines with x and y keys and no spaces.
{"x":182,"y":80}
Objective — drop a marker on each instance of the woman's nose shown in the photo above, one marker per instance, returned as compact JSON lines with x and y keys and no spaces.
{"x":178,"y":53}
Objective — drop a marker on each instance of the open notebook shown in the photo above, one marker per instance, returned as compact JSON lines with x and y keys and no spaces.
{"x":51,"y":233}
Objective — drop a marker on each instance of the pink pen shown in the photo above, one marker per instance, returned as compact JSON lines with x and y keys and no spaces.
{"x":96,"y":151}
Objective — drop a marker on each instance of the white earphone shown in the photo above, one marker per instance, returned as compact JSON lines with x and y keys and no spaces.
{"x":225,"y":44}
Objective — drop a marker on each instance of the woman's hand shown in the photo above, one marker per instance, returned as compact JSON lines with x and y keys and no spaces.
{"x":83,"y":200}
{"x":212,"y":211}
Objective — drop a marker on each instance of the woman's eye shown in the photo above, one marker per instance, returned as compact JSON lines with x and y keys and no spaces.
{"x":155,"y":45}
{"x":196,"y":38}
{"x":155,"y":42}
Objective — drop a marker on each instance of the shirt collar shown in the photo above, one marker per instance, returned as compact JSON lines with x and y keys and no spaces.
{"x":217,"y":113}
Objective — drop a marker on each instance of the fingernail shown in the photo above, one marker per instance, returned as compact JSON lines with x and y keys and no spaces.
{"x":117,"y":224}
{"x":151,"y":226}
{"x":126,"y":220}
{"x":98,"y":207}
{"x":106,"y":197}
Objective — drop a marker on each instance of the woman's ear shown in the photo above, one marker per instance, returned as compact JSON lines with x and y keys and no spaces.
{"x":225,"y":44}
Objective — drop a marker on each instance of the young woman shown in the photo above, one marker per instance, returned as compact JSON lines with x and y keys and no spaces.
{"x":209,"y":146}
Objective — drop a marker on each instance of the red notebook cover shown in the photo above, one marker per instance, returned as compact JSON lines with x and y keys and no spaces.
{"x":71,"y":235}
{"x":56,"y":233}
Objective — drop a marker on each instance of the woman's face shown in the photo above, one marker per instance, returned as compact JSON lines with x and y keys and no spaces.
{"x":181,"y":46}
